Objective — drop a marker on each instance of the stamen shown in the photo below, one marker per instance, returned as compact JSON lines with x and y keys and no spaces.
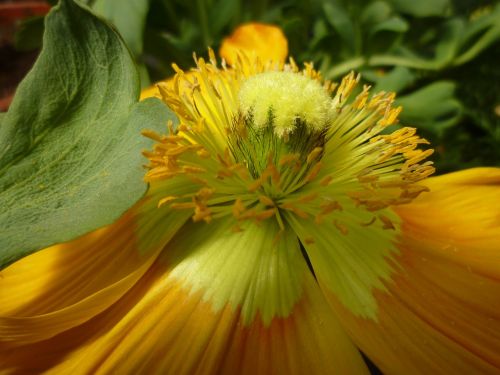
{"x":372,"y":220}
{"x":266,"y":201}
{"x":314,"y":172}
{"x":295,"y":210}
{"x":166,"y":200}
{"x":309,"y":240}
{"x":341,"y":227}
{"x":326,"y":181}
{"x":386,"y":222}
{"x":256,"y":150}
{"x":313,"y":155}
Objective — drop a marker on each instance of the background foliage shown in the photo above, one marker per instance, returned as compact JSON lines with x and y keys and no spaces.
{"x":440,"y":56}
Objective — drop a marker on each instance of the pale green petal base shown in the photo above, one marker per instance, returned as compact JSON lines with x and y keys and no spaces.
{"x":352,"y":265}
{"x":259,"y":269}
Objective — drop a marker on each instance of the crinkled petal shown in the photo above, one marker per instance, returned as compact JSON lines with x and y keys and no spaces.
{"x":441,"y":311}
{"x":214,"y":302}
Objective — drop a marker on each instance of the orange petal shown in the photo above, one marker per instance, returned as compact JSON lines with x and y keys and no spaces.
{"x":266,"y":41}
{"x":162,"y":327}
{"x":441,"y":311}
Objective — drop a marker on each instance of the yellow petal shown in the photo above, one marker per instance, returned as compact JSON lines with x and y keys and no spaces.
{"x":65,"y":285}
{"x":441,"y":311}
{"x":151,"y":91}
{"x":462,"y":211}
{"x":266,"y":41}
{"x":173,"y":321}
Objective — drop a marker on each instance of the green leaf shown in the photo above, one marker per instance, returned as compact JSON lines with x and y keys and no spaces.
{"x":402,"y":57}
{"x":397,"y":79}
{"x":376,"y":12}
{"x":221,"y":14}
{"x":70,"y":158}
{"x":385,"y":34}
{"x":423,"y":8}
{"x":433,"y":108}
{"x":394,"y":24}
{"x":447,"y":46}
{"x":128,"y":16}
{"x":338,"y":17}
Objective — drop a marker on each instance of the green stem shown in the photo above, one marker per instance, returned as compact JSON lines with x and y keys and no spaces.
{"x":172,"y":17}
{"x":346,"y":66}
{"x":202,"y":17}
{"x":401,"y":61}
{"x":488,"y":38}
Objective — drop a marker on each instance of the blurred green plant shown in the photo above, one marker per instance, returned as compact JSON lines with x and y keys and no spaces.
{"x":440,"y":56}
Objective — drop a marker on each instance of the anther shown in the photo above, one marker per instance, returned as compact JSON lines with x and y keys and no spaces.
{"x":387,"y":223}
{"x":341,"y":227}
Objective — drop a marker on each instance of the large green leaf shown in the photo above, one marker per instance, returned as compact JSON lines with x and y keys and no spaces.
{"x":70,"y":146}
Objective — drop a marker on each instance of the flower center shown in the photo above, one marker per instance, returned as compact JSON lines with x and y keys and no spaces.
{"x":279,"y":131}
{"x":283,"y":101}
{"x":259,"y":142}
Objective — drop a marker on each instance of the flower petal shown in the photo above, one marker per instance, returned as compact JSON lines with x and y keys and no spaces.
{"x":152,"y":91}
{"x":65,"y":285}
{"x":266,"y":41}
{"x":351,"y":262}
{"x":441,"y":310}
{"x":215,"y":302}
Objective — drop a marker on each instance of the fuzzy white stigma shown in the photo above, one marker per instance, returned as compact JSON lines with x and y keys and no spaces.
{"x":283,"y":99}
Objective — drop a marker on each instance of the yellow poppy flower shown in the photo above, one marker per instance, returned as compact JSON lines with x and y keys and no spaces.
{"x":282,"y":229}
